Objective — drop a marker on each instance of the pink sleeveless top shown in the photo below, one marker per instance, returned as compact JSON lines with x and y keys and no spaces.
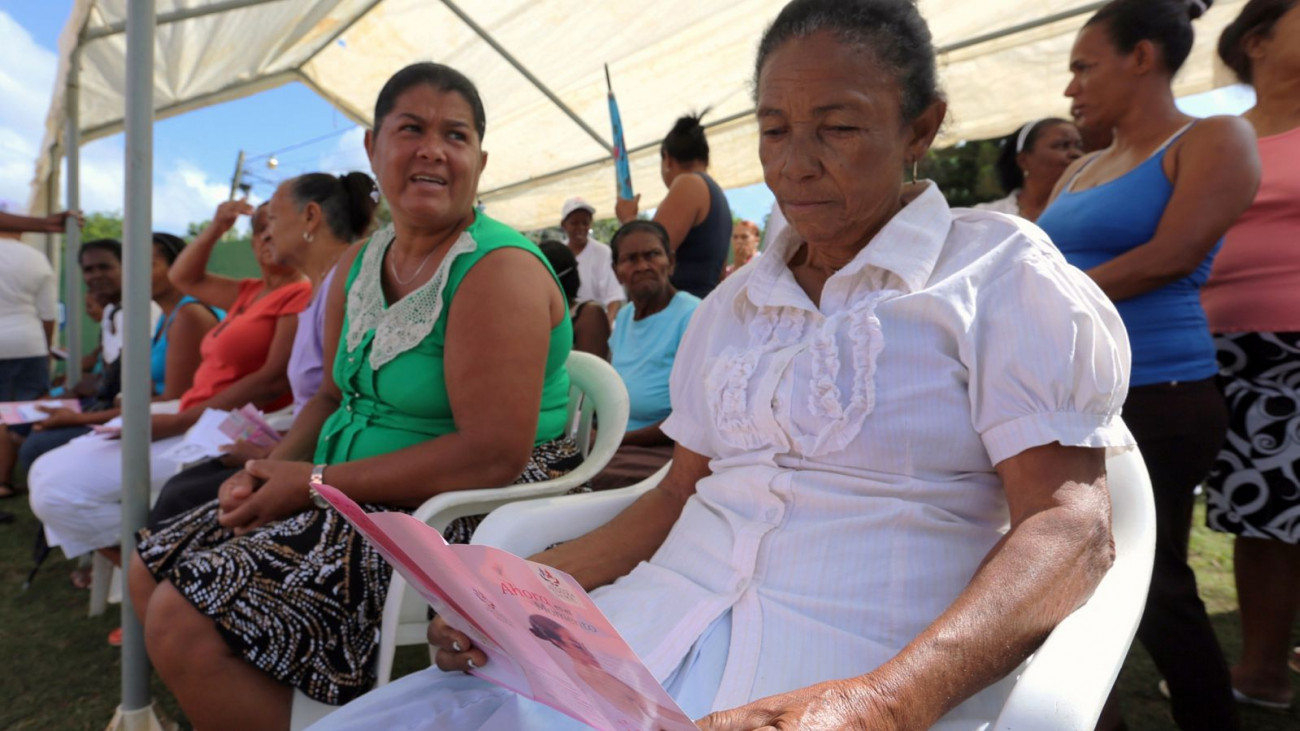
{"x":1255,"y":283}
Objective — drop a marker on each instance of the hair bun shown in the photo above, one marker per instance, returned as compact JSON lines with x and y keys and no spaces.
{"x":362,"y":198}
{"x":1197,"y":8}
{"x":689,"y":123}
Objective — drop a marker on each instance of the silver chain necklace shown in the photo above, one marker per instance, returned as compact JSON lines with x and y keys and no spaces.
{"x":392,"y":267}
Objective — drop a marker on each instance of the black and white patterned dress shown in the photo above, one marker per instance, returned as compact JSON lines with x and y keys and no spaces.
{"x":300,"y":598}
{"x":1254,"y":488}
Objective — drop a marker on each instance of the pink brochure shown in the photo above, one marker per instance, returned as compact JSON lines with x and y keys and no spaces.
{"x":26,"y":412}
{"x":247,"y":423}
{"x":543,"y":636}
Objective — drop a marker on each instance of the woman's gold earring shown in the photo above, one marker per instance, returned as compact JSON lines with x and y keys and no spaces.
{"x":915,"y":165}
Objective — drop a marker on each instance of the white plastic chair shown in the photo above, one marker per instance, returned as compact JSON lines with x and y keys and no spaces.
{"x":1062,"y":687}
{"x":596,"y":391}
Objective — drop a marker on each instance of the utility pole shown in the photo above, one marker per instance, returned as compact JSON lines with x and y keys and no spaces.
{"x":238,"y":176}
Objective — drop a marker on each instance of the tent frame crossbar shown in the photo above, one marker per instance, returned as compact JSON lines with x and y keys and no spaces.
{"x":175,"y":16}
{"x":1019,"y":28}
{"x":487,"y":38}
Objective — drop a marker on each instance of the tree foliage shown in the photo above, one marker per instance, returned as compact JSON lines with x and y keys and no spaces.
{"x":965,"y":172}
{"x":102,"y":225}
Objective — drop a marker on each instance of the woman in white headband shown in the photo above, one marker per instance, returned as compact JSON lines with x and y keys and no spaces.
{"x":1032,"y":160}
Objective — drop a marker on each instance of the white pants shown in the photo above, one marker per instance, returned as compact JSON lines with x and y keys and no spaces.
{"x":431,"y":699}
{"x":76,"y":490}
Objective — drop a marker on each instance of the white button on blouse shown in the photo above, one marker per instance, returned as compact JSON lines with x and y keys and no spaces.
{"x":852,"y":445}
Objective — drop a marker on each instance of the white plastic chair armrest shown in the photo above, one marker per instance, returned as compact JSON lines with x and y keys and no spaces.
{"x":525,"y":528}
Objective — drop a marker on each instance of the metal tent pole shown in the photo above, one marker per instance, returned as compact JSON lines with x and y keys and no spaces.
{"x":72,"y":297}
{"x":136,"y":711}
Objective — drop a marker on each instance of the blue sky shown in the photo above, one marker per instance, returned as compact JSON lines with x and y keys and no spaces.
{"x":194,"y":154}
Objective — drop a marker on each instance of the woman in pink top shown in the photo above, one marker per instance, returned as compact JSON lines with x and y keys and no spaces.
{"x":1253,"y":303}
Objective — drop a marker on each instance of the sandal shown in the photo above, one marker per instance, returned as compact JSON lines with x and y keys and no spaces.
{"x":115,"y":637}
{"x":1247,"y":700}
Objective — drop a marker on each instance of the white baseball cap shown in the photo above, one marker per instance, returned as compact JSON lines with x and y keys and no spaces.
{"x":576,"y":204}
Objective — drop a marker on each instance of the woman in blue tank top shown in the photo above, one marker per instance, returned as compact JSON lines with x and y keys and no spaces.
{"x":1144,"y":218}
{"x":695,"y":212}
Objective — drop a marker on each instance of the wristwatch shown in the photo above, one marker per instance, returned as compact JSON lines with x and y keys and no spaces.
{"x":317,"y":478}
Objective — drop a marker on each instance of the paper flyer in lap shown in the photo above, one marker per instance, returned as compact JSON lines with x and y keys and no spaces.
{"x":544,"y":637}
{"x":26,"y":412}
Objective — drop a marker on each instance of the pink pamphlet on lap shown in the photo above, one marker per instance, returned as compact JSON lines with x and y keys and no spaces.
{"x":543,"y":636}
{"x":26,"y":412}
{"x":247,"y":423}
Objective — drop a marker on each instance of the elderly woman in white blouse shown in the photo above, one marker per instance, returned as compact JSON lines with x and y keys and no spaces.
{"x":889,"y":480}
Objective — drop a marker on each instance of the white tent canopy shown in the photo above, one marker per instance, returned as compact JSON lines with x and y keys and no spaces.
{"x":538,"y":65}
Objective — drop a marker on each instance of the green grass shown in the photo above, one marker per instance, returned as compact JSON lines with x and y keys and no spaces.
{"x":59,"y":673}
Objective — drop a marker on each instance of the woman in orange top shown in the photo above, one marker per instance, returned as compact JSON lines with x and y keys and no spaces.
{"x":76,"y":489}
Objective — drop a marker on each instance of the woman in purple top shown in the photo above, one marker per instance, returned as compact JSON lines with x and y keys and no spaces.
{"x":313,"y":219}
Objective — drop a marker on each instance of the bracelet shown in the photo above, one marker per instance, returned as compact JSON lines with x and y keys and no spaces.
{"x":317,"y":479}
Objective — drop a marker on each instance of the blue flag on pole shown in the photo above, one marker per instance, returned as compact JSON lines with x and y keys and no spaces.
{"x":622,"y":170}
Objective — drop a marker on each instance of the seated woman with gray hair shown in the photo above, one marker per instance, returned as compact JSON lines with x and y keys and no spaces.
{"x":889,"y":483}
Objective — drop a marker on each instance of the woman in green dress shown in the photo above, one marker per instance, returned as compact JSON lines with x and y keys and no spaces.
{"x":451,"y":334}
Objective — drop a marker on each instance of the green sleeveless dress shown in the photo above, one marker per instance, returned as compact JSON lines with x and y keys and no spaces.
{"x":389,"y":364}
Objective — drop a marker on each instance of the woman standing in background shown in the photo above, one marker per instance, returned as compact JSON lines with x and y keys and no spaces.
{"x":1143,"y":218}
{"x":1253,"y":302}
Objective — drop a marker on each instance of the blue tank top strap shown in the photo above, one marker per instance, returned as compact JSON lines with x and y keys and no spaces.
{"x":1173,"y":138}
{"x":1069,"y":185}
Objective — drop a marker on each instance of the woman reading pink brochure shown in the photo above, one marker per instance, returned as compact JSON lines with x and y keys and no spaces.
{"x":889,"y":481}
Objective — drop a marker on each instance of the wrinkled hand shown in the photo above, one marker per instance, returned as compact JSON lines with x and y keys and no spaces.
{"x":229,"y":212}
{"x":626,"y":209}
{"x":828,"y":706}
{"x":57,"y":419}
{"x":237,"y":453}
{"x":454,"y":650}
{"x":283,"y":492}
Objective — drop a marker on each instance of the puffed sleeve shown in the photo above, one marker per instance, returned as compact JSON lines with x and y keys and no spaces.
{"x":1048,"y":357}
{"x":689,"y":424}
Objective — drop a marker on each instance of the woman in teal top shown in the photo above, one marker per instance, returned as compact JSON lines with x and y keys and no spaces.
{"x":450,"y":334}
{"x":158,"y":351}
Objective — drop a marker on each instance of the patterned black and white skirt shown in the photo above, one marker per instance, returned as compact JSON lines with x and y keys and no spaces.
{"x":1254,"y":488}
{"x":300,"y":598}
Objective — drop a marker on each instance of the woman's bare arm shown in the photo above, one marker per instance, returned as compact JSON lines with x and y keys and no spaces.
{"x":685,"y":206}
{"x":190,"y":270}
{"x":184,"y":334}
